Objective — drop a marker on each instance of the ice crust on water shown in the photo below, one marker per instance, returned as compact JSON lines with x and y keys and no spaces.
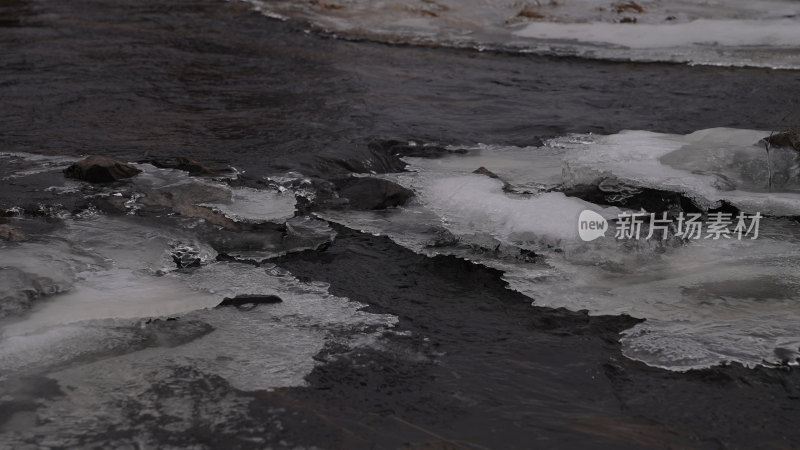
{"x":706,"y":301}
{"x":109,"y":277}
{"x":238,"y":204}
{"x":739,"y":299}
{"x":265,"y":347}
{"x":108,"y":268}
{"x":106,"y":366}
{"x":274,"y":345}
{"x":702,"y":41}
{"x":19,"y":164}
{"x":82,"y":301}
{"x":526,"y":168}
{"x":736,"y":32}
{"x":476,"y":203}
{"x":256,"y":205}
{"x":123,"y":269}
{"x":695,"y":33}
{"x":31,"y":270}
{"x":709,"y":166}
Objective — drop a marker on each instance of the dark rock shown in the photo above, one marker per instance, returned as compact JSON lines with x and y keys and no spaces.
{"x":374,"y":160}
{"x":785,"y":355}
{"x":786,"y":138}
{"x":507,"y":187}
{"x":651,"y":200}
{"x":398,"y":148}
{"x":182,"y":162}
{"x":185,"y":256}
{"x":484,"y":171}
{"x":531,"y":14}
{"x":372,"y":193}
{"x":244,"y":301}
{"x":100,"y":169}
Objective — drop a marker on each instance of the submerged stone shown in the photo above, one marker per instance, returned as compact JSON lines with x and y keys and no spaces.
{"x":484,"y":171}
{"x":182,"y":162}
{"x":786,"y":138}
{"x":373,"y":193}
{"x":249,"y":301}
{"x":398,"y":148}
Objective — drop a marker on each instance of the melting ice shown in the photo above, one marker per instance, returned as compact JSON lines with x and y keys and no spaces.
{"x":111,"y":305}
{"x":706,"y":301}
{"x":761,"y":33}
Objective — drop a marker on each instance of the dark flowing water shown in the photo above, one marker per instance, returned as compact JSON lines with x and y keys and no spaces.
{"x":455,"y":358}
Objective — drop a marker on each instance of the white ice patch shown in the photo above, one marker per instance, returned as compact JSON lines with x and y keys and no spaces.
{"x":527,"y":168}
{"x":21,"y":164}
{"x":656,"y":36}
{"x":31,"y":270}
{"x":77,"y":305}
{"x":706,"y":301}
{"x":256,"y":205}
{"x":737,"y":32}
{"x":271,"y":345}
{"x":771,"y":43}
{"x":104,"y":268}
{"x":264,"y":347}
{"x":709,"y":166}
{"x":477,"y":204}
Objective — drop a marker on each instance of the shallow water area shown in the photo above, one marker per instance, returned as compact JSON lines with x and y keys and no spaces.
{"x":106,"y":304}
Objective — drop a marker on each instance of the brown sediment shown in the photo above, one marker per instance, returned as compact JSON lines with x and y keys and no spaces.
{"x":628,"y":7}
{"x":326,"y":5}
{"x":530,"y":14}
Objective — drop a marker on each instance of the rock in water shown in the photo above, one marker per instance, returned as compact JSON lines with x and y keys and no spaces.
{"x":183,"y":200}
{"x":787,"y":138}
{"x":484,"y":171}
{"x":183,"y":162}
{"x":9,"y":233}
{"x":398,"y":148}
{"x":100,"y":169}
{"x":372,"y":193}
{"x":248,"y":301}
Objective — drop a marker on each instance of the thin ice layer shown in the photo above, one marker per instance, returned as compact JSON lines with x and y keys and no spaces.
{"x":477,"y":204}
{"x":760,"y":33}
{"x":106,"y":368}
{"x":706,"y":301}
{"x":709,"y":166}
{"x":256,"y":205}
